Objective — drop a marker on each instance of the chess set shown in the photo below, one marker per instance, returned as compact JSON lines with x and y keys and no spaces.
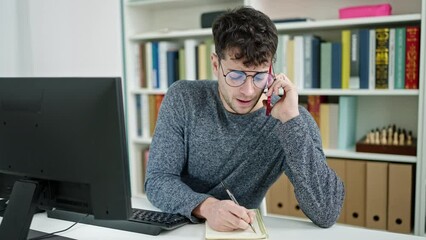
{"x":389,"y":140}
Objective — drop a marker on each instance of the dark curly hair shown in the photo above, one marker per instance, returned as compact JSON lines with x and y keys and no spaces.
{"x":249,"y":32}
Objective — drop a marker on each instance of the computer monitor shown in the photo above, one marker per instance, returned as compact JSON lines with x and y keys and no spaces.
{"x":62,"y":145}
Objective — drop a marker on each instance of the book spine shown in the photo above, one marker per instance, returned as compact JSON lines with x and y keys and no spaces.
{"x":372,"y":60}
{"x":391,"y":68}
{"x":155,"y":66}
{"x":307,"y":60}
{"x":316,"y":62}
{"x":400,"y":58}
{"x":364,"y":49}
{"x":346,"y":61}
{"x":336,"y":65}
{"x":326,"y":65}
{"x":382,"y":58}
{"x":412,"y":57}
{"x":354,"y":81}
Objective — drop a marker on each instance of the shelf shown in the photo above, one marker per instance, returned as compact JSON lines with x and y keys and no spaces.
{"x":149,"y":91}
{"x":169,"y":3}
{"x":359,"y":92}
{"x":170,"y":34}
{"x":349,"y":23}
{"x":142,"y":140}
{"x":325,"y":92}
{"x":351,"y":154}
{"x":299,"y":26}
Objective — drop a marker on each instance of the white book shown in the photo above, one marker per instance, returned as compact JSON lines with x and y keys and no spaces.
{"x":285,"y":38}
{"x":190,"y":58}
{"x":372,"y":58}
{"x":148,"y":66}
{"x":137,"y":64}
{"x":391,"y":66}
{"x":298,"y":62}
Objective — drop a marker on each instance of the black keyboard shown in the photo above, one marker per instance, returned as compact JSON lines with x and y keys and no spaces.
{"x":166,"y":221}
{"x":141,"y":221}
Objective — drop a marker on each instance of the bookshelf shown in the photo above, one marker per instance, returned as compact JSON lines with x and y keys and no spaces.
{"x":177,"y":20}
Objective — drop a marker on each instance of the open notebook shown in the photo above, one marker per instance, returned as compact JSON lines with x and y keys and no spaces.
{"x":258,"y":225}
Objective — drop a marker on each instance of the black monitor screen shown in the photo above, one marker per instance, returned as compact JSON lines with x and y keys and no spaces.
{"x":63,"y":145}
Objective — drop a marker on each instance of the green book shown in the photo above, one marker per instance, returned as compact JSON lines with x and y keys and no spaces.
{"x":400,"y":58}
{"x":325,"y":77}
{"x":347,"y":122}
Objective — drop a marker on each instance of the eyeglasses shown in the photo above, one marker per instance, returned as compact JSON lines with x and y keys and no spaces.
{"x":236,"y":78}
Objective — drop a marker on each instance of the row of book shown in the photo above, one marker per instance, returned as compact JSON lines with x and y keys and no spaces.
{"x":379,"y":195}
{"x":160,"y":63}
{"x":147,"y":108}
{"x":382,"y":58}
{"x":329,"y":115}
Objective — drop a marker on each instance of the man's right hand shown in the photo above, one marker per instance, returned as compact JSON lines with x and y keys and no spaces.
{"x":224,"y":215}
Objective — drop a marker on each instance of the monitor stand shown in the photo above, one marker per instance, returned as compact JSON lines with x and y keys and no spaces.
{"x":20,"y":210}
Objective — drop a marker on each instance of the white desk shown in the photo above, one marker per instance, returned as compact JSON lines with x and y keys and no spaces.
{"x":278,"y":228}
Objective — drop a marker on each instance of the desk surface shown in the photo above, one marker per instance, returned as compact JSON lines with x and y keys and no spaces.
{"x":278,"y":228}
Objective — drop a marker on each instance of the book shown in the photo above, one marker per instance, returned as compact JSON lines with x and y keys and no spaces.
{"x":391,"y":68}
{"x":364,"y":53}
{"x":382,"y":58}
{"x":311,"y":61}
{"x":325,"y":62}
{"x":248,"y":233}
{"x":354,"y":78}
{"x":412,"y":51}
{"x":346,"y":61}
{"x":347,"y":122}
{"x":400,"y":58}
{"x":336,"y":65}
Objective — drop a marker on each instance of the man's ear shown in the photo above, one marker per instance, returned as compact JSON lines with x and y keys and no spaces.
{"x":215,"y":64}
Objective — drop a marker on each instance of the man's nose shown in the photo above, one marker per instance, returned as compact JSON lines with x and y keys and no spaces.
{"x":248,"y":87}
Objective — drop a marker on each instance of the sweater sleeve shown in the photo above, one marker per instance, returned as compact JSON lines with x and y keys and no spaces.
{"x":164,"y":185}
{"x":318,"y":189}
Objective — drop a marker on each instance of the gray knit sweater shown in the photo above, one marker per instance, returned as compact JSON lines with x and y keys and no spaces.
{"x":197,"y":144}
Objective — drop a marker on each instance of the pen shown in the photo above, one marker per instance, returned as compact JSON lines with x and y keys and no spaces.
{"x":234,"y":200}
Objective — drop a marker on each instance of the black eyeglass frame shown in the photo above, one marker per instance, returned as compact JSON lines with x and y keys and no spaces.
{"x":247,"y":75}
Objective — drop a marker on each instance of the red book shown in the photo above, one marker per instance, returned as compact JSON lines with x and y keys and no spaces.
{"x":412,"y":54}
{"x":314,"y":103}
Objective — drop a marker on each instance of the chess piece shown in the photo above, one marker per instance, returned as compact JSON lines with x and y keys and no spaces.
{"x":377,"y":137}
{"x":390,"y":134}
{"x":367,"y":138}
{"x":383,"y":137}
{"x":402,"y":138}
{"x":371,"y":134}
{"x":395,"y":138}
{"x":410,"y":139}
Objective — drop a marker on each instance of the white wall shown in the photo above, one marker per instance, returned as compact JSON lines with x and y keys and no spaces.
{"x":60,"y":38}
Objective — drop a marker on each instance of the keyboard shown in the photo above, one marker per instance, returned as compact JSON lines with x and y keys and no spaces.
{"x":166,"y":221}
{"x":141,"y":221}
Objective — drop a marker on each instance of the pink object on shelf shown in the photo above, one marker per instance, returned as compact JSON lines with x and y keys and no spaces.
{"x":366,"y":11}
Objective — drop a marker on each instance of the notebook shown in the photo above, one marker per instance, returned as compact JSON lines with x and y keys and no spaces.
{"x":258,"y":225}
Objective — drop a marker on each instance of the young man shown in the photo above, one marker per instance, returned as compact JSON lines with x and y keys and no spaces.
{"x":213,"y":131}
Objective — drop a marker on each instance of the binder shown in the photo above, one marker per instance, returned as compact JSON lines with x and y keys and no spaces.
{"x":400,"y":198}
{"x":277,"y":198}
{"x":376,"y":195}
{"x":339,"y":166}
{"x":355,"y":192}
